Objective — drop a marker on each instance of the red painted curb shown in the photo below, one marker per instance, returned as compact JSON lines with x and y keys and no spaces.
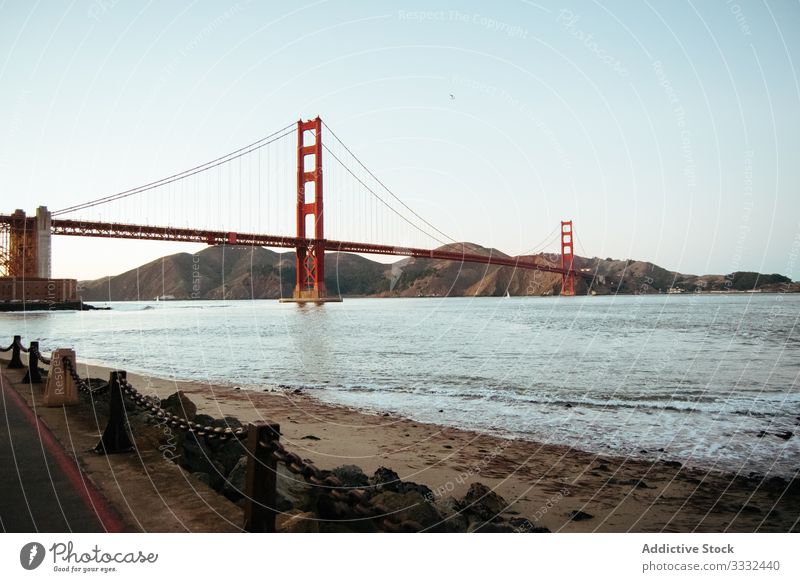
{"x":92,"y":498}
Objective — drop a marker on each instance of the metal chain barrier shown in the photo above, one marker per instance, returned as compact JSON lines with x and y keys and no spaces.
{"x":356,"y":498}
{"x":8,"y":349}
{"x":179,"y":422}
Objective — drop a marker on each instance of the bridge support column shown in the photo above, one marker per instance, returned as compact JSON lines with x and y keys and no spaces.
{"x":43,"y":244}
{"x":567,"y":256}
{"x":310,"y":283}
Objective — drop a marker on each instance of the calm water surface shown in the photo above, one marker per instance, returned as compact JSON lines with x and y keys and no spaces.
{"x":697,"y":376}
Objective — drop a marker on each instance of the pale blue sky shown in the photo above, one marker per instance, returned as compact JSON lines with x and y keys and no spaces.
{"x":668,"y":131}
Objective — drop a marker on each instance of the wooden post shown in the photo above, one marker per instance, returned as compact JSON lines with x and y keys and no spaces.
{"x":261,"y":488}
{"x":33,"y":376}
{"x":16,"y":361}
{"x":60,"y":389}
{"x":115,"y":438}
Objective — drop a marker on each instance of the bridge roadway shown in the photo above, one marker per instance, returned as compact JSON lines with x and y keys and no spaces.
{"x":67,"y":227}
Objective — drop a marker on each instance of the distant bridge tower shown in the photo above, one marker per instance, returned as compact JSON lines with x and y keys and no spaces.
{"x":25,"y":245}
{"x":567,"y":256}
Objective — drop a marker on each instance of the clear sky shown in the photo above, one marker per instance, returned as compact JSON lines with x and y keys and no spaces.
{"x":669,"y":131}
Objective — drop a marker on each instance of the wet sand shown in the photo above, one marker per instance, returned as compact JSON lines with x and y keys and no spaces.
{"x":544,"y":483}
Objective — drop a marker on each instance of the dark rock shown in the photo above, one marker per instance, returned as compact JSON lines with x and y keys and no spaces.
{"x":227,"y":452}
{"x":453,"y":520}
{"x":310,"y":437}
{"x":579,"y":516}
{"x":761,"y":434}
{"x":786,"y":435}
{"x":180,"y":405}
{"x":294,"y":492}
{"x":351,"y":476}
{"x":482,"y":503}
{"x":643,"y":452}
{"x":196,"y":457}
{"x":204,"y":419}
{"x":297,"y":391}
{"x":411,"y":487}
{"x":673,"y":464}
{"x":384,"y":479}
{"x":410,"y":506}
{"x":386,"y":414}
{"x":447,"y":446}
{"x":524,"y":525}
{"x":602,"y":467}
{"x":440,"y":410}
{"x":213,"y":457}
{"x":234,"y":485}
{"x":216,"y":477}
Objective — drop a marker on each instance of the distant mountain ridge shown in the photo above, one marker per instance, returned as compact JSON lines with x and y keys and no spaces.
{"x":237,"y":272}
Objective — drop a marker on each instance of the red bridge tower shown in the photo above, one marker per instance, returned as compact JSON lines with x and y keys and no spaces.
{"x":567,"y":277}
{"x":310,"y":285}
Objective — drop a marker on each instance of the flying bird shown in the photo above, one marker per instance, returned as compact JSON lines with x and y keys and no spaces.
{"x":452,"y":97}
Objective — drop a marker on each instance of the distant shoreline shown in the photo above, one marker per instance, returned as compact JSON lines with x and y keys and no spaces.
{"x":703,"y":294}
{"x":17,"y":307}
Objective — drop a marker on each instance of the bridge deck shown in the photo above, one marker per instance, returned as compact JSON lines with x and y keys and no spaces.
{"x":67,"y":227}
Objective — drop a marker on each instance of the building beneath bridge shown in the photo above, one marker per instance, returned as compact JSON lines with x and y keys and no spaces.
{"x":25,"y":261}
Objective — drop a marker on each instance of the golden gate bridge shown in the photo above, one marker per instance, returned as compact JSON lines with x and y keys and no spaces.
{"x":234,"y":199}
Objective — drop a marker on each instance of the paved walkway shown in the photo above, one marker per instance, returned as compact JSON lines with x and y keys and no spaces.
{"x":42,"y":489}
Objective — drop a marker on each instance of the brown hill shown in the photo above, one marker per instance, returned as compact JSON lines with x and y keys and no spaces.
{"x":237,"y":272}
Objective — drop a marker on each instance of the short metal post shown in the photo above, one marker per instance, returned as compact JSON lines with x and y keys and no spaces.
{"x":33,"y":376}
{"x":115,"y":438}
{"x":16,"y":361}
{"x":261,"y":489}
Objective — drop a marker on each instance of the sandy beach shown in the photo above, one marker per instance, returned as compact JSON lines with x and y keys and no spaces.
{"x":544,"y":483}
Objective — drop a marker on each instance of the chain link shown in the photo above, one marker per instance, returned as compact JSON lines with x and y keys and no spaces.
{"x":156,"y":411}
{"x":36,"y":356}
{"x":82,"y":384}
